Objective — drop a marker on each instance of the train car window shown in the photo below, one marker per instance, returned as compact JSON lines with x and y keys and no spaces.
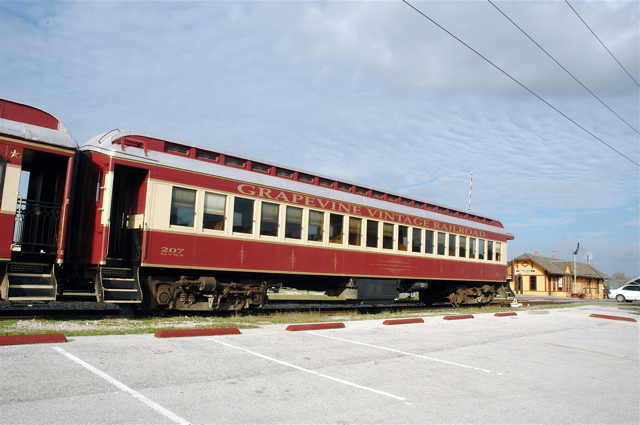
{"x":214,"y":206}
{"x":316,"y":226}
{"x":403,"y":238}
{"x":480,"y":249}
{"x":387,"y":236}
{"x":472,"y":247}
{"x":293,"y":224}
{"x":355,"y":231}
{"x":336,"y":224}
{"x":269,"y":219}
{"x":462,"y":251}
{"x":442,"y":239}
{"x":416,"y":240}
{"x":429,"y":242}
{"x":183,"y":204}
{"x":206,"y":155}
{"x":372,"y":234}
{"x":498,"y":251}
{"x":490,"y":250}
{"x":243,"y":215}
{"x":305,"y":178}
{"x":452,"y":245}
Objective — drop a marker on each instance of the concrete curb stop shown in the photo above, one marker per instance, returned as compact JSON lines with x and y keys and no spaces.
{"x":509,"y":313}
{"x":178,"y":333}
{"x":32,"y":339}
{"x":402,"y":321}
{"x":459,"y":317}
{"x":315,"y":326}
{"x":604,"y":316}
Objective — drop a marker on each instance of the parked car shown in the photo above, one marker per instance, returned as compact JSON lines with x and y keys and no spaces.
{"x":628,"y":293}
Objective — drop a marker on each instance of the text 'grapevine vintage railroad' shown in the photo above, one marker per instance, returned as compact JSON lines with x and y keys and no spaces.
{"x":133,"y":218}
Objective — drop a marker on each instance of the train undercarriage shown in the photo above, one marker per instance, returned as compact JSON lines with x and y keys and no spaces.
{"x":160,"y":290}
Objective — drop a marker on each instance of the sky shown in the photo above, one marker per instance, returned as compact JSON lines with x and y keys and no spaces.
{"x":538,"y":99}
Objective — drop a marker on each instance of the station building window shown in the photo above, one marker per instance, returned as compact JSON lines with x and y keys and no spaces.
{"x":336,"y":223}
{"x":416,"y":240}
{"x":429,"y":241}
{"x":387,"y":236}
{"x":214,"y":207}
{"x":442,"y":240}
{"x":293,"y":223}
{"x":462,"y":250}
{"x":372,"y":234}
{"x":355,"y":231}
{"x":316,"y":225}
{"x":403,"y":238}
{"x":269,"y":219}
{"x":183,"y":203}
{"x":452,"y":245}
{"x":243,"y":215}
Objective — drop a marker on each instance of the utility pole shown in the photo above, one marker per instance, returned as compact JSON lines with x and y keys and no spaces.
{"x":575,"y":275}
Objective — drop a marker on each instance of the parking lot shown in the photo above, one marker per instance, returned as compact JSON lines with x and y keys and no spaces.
{"x":556,"y":366}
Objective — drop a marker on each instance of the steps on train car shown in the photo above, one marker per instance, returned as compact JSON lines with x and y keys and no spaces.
{"x":120,"y":285}
{"x":30,"y":282}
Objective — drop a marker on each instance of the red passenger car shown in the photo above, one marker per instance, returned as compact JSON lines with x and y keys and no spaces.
{"x":176,"y":225}
{"x":36,"y":164}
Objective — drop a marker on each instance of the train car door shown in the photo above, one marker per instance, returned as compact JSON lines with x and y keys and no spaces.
{"x":40,"y":222}
{"x":118,"y":277}
{"x":127,"y":216}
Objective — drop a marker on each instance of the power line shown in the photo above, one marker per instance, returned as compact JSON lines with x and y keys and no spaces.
{"x":605,"y":47}
{"x":520,"y":84}
{"x":565,"y":69}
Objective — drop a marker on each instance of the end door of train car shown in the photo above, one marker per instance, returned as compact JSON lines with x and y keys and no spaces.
{"x":110,"y":232}
{"x":36,"y":167}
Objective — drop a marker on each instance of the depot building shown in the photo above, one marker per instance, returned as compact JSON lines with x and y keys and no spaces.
{"x":534,"y":274}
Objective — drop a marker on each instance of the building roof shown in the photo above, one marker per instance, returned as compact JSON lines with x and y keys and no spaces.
{"x":556,"y":266}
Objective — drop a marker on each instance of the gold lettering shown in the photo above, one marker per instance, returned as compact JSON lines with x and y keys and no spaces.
{"x":282,"y":197}
{"x":265,"y":193}
{"x":247,"y":189}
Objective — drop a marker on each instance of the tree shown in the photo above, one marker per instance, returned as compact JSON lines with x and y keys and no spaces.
{"x":621,"y":276}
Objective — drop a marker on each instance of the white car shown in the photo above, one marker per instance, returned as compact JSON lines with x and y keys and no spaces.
{"x":626,"y":293}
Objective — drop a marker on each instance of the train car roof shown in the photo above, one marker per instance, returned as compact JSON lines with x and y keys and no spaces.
{"x":152,"y":149}
{"x":33,"y":124}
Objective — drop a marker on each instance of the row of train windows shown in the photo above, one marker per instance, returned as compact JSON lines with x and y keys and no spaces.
{"x":357,"y":230}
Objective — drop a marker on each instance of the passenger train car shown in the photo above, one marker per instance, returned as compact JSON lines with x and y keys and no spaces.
{"x":163,"y":224}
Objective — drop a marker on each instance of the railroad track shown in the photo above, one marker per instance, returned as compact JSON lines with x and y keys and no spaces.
{"x":94,"y":311}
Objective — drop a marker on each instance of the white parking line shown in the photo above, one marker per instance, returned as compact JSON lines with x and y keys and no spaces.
{"x":322,"y":375}
{"x":152,"y":404}
{"x":404,"y":352}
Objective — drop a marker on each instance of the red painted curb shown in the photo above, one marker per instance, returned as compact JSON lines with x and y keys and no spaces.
{"x":32,"y":339}
{"x":604,"y":316}
{"x":315,"y":326}
{"x":458,"y":317}
{"x":178,"y":333}
{"x":511,"y":313}
{"x":402,"y":321}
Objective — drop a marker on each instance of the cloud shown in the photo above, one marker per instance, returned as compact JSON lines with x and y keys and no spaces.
{"x":368,"y":92}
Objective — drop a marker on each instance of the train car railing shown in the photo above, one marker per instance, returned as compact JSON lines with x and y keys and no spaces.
{"x":36,"y":226}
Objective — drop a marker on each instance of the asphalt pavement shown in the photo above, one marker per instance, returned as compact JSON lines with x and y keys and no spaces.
{"x":575,"y":365}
